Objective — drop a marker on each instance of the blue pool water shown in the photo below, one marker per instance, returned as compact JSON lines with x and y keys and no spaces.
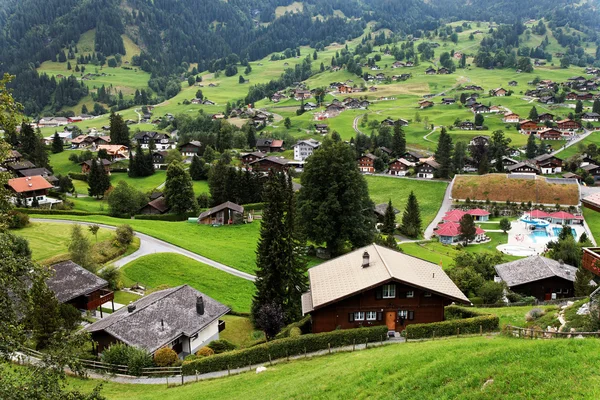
{"x":538,"y":234}
{"x":556,"y":230}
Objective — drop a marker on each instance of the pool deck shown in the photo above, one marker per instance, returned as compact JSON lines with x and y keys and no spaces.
{"x":521,"y":241}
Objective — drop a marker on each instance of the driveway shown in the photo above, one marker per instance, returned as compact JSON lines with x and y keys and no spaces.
{"x":446,"y":204}
{"x":151,"y":245}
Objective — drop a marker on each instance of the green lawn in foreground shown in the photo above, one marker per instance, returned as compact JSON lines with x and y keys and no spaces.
{"x":429,"y":194}
{"x":51,"y":239}
{"x":174,"y":270}
{"x":514,"y":316}
{"x":231,"y":245}
{"x":442,"y":369}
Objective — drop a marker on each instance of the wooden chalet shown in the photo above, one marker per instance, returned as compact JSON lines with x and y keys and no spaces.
{"x":546,"y":117}
{"x":414,"y":157}
{"x":510,"y":118}
{"x":270,"y":163}
{"x":156,"y":206}
{"x":159,"y":159}
{"x":529,"y":127}
{"x":480,"y":141}
{"x":590,"y":117}
{"x":322,"y":128}
{"x":591,"y":259}
{"x":366,"y":163}
{"x":499,"y":92}
{"x":399,"y":167}
{"x":227,"y":213}
{"x":87,"y":165}
{"x":375,"y":285}
{"x":26,"y":189}
{"x":269,"y":145}
{"x":427,"y":169}
{"x":523,"y":168}
{"x":425,"y":104}
{"x":480,"y":109}
{"x":190,"y":149}
{"x":251,"y":157}
{"x":548,"y":164}
{"x":550,"y":134}
{"x":568,"y":125}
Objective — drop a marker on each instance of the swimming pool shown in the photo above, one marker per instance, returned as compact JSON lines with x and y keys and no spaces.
{"x":556,"y":230}
{"x":538,"y":233}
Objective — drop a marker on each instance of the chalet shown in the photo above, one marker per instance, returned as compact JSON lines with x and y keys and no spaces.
{"x":540,"y":277}
{"x":466,"y":126}
{"x":43,"y":172}
{"x":470,"y":102}
{"x":100,"y":140}
{"x":375,"y":285}
{"x":546,"y":117}
{"x":26,"y":189}
{"x":345,"y":88}
{"x":448,"y":101}
{"x":550,"y":134}
{"x":114,"y":152}
{"x":480,"y":141}
{"x":572,"y":96}
{"x":162,"y":141}
{"x":529,"y":127}
{"x":449,"y":233}
{"x":17,"y":166}
{"x":546,"y":100}
{"x":87,"y":165}
{"x":190,"y":149}
{"x":480,"y":109}
{"x":523,"y":168}
{"x":548,"y":164}
{"x":180,"y":318}
{"x":75,"y":285}
{"x":208,"y":102}
{"x":585,"y":96}
{"x":571,"y":175}
{"x":593,"y":170}
{"x":591,"y":257}
{"x":65,"y":136}
{"x":427,"y":169}
{"x":443,"y":71}
{"x":590,"y":117}
{"x":513,"y":83}
{"x":267,"y":164}
{"x":305,"y":148}
{"x":251,"y":157}
{"x":568,"y":125}
{"x":398,"y":64}
{"x":372,"y":89}
{"x":430,"y":71}
{"x":223,"y":214}
{"x":366,"y":163}
{"x":352,"y":104}
{"x":473,"y":87}
{"x":425,"y":104}
{"x":507,"y":162}
{"x":82,"y":141}
{"x":322,"y":128}
{"x":13,"y":156}
{"x":380,"y":210}
{"x":277,"y":97}
{"x":399,"y":167}
{"x":414,"y":157}
{"x":260,"y":120}
{"x":510,"y":118}
{"x":499,"y":92}
{"x":159,"y":159}
{"x":269,"y":145}
{"x":302,"y":95}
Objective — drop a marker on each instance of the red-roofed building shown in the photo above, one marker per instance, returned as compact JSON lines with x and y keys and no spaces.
{"x":562,"y":217}
{"x":479,"y":215}
{"x":28,"y":188}
{"x":453,"y":215}
{"x":449,"y":233}
{"x":539,"y":214}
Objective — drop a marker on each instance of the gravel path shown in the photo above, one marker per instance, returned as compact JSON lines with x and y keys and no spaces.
{"x":151,"y":245}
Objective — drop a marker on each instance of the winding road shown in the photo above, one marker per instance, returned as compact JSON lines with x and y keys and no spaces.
{"x":150,"y":245}
{"x":445,"y":206}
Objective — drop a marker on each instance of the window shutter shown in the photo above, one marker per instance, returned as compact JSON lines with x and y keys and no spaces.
{"x":351,"y":317}
{"x":379,"y":293}
{"x":379,"y":316}
{"x":411,"y":315}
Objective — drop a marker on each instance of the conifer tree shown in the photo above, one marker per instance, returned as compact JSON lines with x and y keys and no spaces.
{"x":198,"y":170}
{"x":443,"y":155}
{"x":98,"y":179}
{"x":398,"y":140}
{"x":32,"y":145}
{"x":119,"y":131}
{"x":596,"y":105}
{"x":389,"y":220}
{"x":533,"y":114}
{"x":579,"y":107}
{"x":251,"y":136}
{"x":179,"y":191}
{"x":467,"y":229}
{"x":411,"y":218}
{"x":582,"y":286}
{"x":57,"y":144}
{"x":531,"y":149}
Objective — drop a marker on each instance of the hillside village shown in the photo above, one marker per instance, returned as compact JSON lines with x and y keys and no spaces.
{"x":394,"y":195}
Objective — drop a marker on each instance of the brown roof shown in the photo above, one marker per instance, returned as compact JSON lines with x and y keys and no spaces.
{"x":159,"y":204}
{"x":226,"y":205}
{"x":27,"y":184}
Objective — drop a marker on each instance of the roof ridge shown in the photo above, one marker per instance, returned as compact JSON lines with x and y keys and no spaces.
{"x":383,"y":261}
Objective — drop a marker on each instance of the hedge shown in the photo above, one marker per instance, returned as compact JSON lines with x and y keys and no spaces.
{"x":304,"y":324}
{"x":166,"y":217}
{"x":283,"y":348}
{"x":78,"y":177}
{"x":254,"y":206}
{"x":471,"y":322}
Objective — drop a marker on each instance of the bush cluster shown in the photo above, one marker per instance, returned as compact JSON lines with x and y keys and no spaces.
{"x":78,"y":177}
{"x":221,"y":346}
{"x":165,"y":357}
{"x":134,"y":358}
{"x":304,"y":325}
{"x":283,"y":348}
{"x":470,"y":323}
{"x":205,"y":352}
{"x":17,"y":220}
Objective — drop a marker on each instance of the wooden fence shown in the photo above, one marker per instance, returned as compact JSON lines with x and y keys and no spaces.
{"x":529,"y":303}
{"x":532,"y":333}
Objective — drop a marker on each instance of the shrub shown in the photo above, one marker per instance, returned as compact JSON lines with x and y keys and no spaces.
{"x":17,"y":220}
{"x":205,"y":352}
{"x":281,"y":348}
{"x":165,"y":357}
{"x":491,"y":292}
{"x":485,"y":322}
{"x":514,"y":297}
{"x":124,"y":235}
{"x":221,"y":346}
{"x":112,"y":275}
{"x":304,"y":324}
{"x":78,"y":177}
{"x":134,"y":358}
{"x":295,"y":332}
{"x":534,"y":314}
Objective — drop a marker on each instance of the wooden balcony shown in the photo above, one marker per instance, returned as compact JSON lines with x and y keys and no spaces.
{"x":591,"y":259}
{"x":99,"y":297}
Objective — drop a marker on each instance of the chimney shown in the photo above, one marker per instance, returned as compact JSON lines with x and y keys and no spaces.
{"x":200,"y":305}
{"x":365,"y":262}
{"x":131,"y":308}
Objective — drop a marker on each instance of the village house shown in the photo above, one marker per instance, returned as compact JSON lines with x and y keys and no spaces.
{"x":75,"y":285}
{"x":26,"y":189}
{"x":159,"y":159}
{"x":513,"y":83}
{"x":305,"y":148}
{"x":443,"y":71}
{"x":375,"y":285}
{"x":480,"y":141}
{"x":251,"y":157}
{"x":593,"y":170}
{"x":343,"y":88}
{"x":590,"y":117}
{"x":548,"y":164}
{"x":366,"y":163}
{"x":155,"y":207}
{"x":510,"y":118}
{"x":114,"y":151}
{"x":227,"y":213}
{"x":456,"y":215}
{"x":180,"y":318}
{"x":480,"y":109}
{"x":399,"y":167}
{"x":540,"y":277}
{"x":13,"y":156}
{"x":65,"y":136}
{"x":568,"y":125}
{"x":87,"y":165}
{"x":190,"y":149}
{"x":425,"y":104}
{"x":17,"y":166}
{"x":162,"y":141}
{"x":427,"y":169}
{"x":523,"y":168}
{"x":322,"y":128}
{"x":269,"y":145}
{"x":528,"y":127}
{"x":43,"y":172}
{"x":499,"y":92}
{"x":449,"y":233}
{"x":430,"y":71}
{"x":550,"y":134}
{"x":414,"y":157}
{"x":466,"y":125}
{"x":448,"y":101}
{"x":546,"y":117}
{"x":270,"y":163}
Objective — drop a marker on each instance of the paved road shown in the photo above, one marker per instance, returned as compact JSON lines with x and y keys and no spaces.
{"x":446,"y":204}
{"x":426,"y":137}
{"x":578,"y":139}
{"x":151,"y":245}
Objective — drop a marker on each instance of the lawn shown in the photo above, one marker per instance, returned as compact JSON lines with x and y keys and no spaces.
{"x":514,"y":316}
{"x":442,"y":369}
{"x":239,"y":331}
{"x":174,"y":270}
{"x":593,"y":220}
{"x":125,"y":298}
{"x":429,"y":194}
{"x":48,"y":240}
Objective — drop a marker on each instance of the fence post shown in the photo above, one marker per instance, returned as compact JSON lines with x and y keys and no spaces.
{"x":353,"y":344}
{"x":229,"y":370}
{"x":329,"y":347}
{"x":366,"y":343}
{"x":481,"y":330}
{"x":181,"y":378}
{"x":196,"y":375}
{"x":457,"y":332}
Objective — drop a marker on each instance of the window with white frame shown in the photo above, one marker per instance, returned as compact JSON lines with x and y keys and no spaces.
{"x":427,"y":294}
{"x":389,"y":291}
{"x":403,"y":314}
{"x":410,"y":294}
{"x":359,"y":316}
{"x":371,"y":315}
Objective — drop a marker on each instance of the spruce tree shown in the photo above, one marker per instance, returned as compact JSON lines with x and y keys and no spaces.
{"x":484,"y":165}
{"x":389,"y":220}
{"x":582,"y":286}
{"x":533,"y":114}
{"x":468,"y":229}
{"x":398,"y":140}
{"x":32,"y":145}
{"x":179,"y":190}
{"x":119,"y":131}
{"x":499,"y":148}
{"x":596,"y":105}
{"x":531,"y":149}
{"x":198,"y":169}
{"x":57,"y":144}
{"x":98,"y":179}
{"x":251,"y":137}
{"x":411,"y":218}
{"x":443,"y":155}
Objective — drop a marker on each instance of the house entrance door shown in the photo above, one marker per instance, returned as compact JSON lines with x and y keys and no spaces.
{"x":390,"y":320}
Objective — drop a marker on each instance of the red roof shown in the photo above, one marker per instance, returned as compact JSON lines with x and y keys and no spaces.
{"x":453,"y":215}
{"x":538,"y":214}
{"x":276,"y":143}
{"x":562,"y":215}
{"x":453,"y":229}
{"x":28,"y":184}
{"x":478,"y":212}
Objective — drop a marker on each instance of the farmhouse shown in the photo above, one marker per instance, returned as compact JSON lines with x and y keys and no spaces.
{"x":427,"y":169}
{"x":480,"y":141}
{"x":449,"y":233}
{"x":190,"y":149}
{"x":467,"y":126}
{"x":251,"y":157}
{"x":430,"y":71}
{"x":523,"y":168}
{"x":593,"y":170}
{"x":74,"y":285}
{"x":29,"y":188}
{"x":322,"y":128}
{"x":159,"y":159}
{"x":114,"y":151}
{"x":43,"y":172}
{"x":366,"y":163}
{"x":548,"y":164}
{"x":414,"y":157}
{"x":156,"y":206}
{"x":568,"y":125}
{"x":529,"y":127}
{"x":537,"y":276}
{"x":267,"y":164}
{"x":87,"y":165}
{"x":180,"y":318}
{"x":399,"y":167}
{"x":511,"y":118}
{"x":425,"y":104}
{"x":448,"y":101}
{"x":17,"y":166}
{"x":223,"y":214}
{"x":269,"y":145}
{"x":546,"y":117}
{"x":162,"y":141}
{"x":377,"y":286}
{"x":305,"y":148}
{"x":499,"y":92}
{"x":480,"y":109}
{"x":550,"y":134}
{"x":590,"y":117}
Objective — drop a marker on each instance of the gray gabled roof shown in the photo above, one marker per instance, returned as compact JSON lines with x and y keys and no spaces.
{"x":223,"y":206}
{"x":161,"y":317}
{"x":533,"y":268}
{"x":70,"y":281}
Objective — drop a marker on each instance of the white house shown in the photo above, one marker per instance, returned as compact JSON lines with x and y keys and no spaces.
{"x":304,"y":148}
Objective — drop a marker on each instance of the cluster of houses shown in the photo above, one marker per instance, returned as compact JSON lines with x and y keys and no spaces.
{"x":338,"y":106}
{"x":579,"y":86}
{"x":54,"y":122}
{"x":424,"y":165}
{"x":558,"y":130}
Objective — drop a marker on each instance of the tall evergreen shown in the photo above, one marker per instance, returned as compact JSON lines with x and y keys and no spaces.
{"x":411,"y":218}
{"x":596,"y":105}
{"x":251,"y":136}
{"x":179,"y":190}
{"x":531,"y":149}
{"x":533,"y":114}
{"x":579,"y":107}
{"x":398,"y":140}
{"x":281,"y":266}
{"x":389,"y":220}
{"x":443,"y":155}
{"x":119,"y":131}
{"x":32,"y":145}
{"x":459,"y":156}
{"x":198,"y":169}
{"x":499,"y":148}
{"x":57,"y":144}
{"x":98,"y":179}
{"x":468,"y":229}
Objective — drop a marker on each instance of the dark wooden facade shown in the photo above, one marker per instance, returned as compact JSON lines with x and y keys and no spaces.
{"x":544,"y":288}
{"x":398,"y":168}
{"x":366,"y":163}
{"x":396,"y":312}
{"x":266,"y":165}
{"x":591,"y":259}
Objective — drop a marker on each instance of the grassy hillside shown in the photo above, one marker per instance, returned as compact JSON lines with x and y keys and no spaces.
{"x":444,"y":369}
